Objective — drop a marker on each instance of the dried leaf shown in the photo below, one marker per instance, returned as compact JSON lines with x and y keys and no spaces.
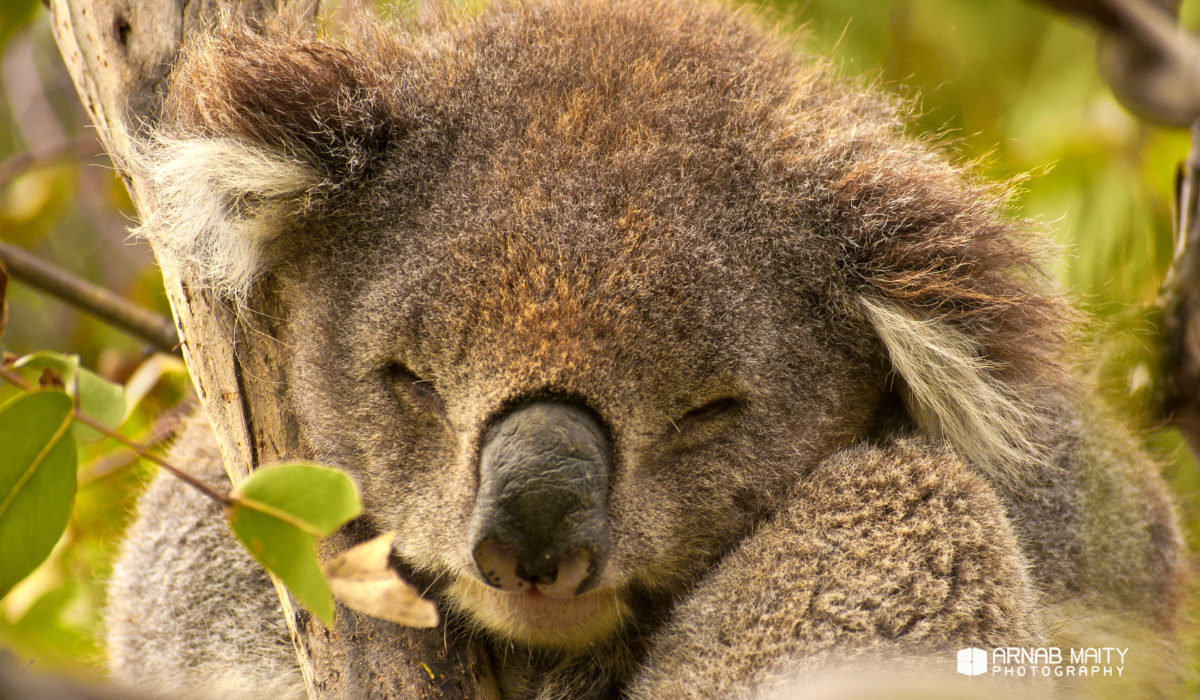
{"x":51,"y":379}
{"x":361,"y":578}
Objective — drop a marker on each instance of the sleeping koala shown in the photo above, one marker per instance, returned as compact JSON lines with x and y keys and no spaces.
{"x":679,"y":367}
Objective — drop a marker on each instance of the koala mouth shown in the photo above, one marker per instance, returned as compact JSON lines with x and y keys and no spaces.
{"x":535,"y":618}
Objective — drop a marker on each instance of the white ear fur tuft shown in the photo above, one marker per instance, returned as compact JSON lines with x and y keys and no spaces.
{"x":217,"y":202}
{"x":952,"y":393}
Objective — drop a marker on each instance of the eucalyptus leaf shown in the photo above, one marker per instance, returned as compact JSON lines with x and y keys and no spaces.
{"x":30,"y":367}
{"x":99,"y":399}
{"x":37,"y":481}
{"x":278,"y":513}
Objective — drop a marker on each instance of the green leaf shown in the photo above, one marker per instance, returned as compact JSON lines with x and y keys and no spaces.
{"x":98,"y":398}
{"x":37,"y":481}
{"x":31,"y":366}
{"x":278,"y":513}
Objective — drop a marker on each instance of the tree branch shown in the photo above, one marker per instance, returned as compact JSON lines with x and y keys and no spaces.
{"x":82,"y":148}
{"x":100,"y":302}
{"x":1152,"y":64}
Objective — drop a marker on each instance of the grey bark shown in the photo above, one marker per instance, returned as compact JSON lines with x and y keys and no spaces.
{"x":119,"y":54}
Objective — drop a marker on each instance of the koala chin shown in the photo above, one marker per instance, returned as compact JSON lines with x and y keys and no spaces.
{"x":539,"y":620}
{"x":681,"y":369}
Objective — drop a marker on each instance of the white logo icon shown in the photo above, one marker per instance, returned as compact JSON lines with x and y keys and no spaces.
{"x":972,"y":661}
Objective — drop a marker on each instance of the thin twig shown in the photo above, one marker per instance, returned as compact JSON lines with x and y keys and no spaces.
{"x":1186,"y":231}
{"x":94,"y":299}
{"x":82,"y":148}
{"x":140,"y":449}
{"x":1178,"y":302}
{"x":166,"y":426}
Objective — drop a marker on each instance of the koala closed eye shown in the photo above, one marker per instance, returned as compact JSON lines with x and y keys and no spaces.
{"x":418,"y":392}
{"x":697,"y":418}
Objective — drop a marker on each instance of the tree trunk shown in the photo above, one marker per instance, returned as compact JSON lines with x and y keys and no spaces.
{"x":119,"y":54}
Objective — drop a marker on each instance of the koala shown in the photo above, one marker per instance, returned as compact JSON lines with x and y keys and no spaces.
{"x":680,"y":368}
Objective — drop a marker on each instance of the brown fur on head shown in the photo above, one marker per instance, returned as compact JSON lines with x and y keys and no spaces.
{"x":650,"y":208}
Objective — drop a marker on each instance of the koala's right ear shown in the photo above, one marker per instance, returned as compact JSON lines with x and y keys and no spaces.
{"x":260,"y":125}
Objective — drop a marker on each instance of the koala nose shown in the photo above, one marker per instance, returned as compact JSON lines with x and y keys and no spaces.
{"x":540,"y":517}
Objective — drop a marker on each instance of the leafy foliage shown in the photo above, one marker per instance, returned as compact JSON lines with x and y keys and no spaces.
{"x":279,"y":512}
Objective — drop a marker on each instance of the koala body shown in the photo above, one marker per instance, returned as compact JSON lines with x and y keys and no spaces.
{"x":679,"y":367}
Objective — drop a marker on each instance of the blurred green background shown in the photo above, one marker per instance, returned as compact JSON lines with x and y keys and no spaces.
{"x":1004,"y":83}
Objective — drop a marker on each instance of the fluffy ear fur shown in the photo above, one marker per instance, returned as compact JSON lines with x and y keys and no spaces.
{"x":953,"y":392}
{"x":218,"y":202}
{"x":242,"y":149}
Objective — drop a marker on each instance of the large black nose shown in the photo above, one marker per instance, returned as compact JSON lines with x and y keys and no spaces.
{"x":540,"y":514}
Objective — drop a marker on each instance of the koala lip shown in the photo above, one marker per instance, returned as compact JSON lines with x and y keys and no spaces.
{"x":540,"y":519}
{"x":532,"y":617}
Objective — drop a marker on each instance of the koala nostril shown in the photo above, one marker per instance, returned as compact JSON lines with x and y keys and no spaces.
{"x":498,"y":564}
{"x":572,"y":571}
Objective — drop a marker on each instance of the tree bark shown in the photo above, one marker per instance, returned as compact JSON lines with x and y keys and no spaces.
{"x":119,"y":54}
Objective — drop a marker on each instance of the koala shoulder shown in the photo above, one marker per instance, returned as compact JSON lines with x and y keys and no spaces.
{"x":882,"y":554}
{"x":189,"y":611}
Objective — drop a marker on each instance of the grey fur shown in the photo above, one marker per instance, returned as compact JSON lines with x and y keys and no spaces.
{"x":192,"y":575}
{"x":651,"y":207}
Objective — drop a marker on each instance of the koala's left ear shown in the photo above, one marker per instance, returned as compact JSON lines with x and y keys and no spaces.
{"x":260,"y":125}
{"x":974,"y":332}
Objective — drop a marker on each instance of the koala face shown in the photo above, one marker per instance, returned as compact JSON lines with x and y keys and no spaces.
{"x":579,"y":293}
{"x":707,"y":389}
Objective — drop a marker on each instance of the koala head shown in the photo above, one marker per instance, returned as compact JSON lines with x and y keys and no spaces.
{"x":578,"y":292}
